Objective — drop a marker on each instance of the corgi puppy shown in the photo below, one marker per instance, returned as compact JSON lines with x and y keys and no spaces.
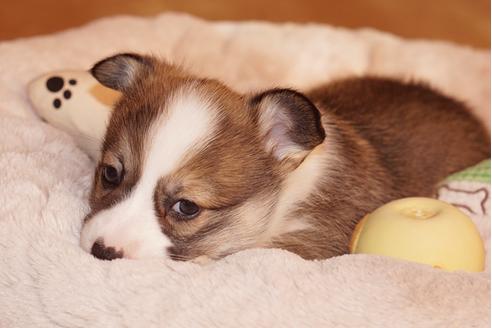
{"x":191,"y":169}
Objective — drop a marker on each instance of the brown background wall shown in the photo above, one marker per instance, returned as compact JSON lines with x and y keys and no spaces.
{"x":462,"y":21}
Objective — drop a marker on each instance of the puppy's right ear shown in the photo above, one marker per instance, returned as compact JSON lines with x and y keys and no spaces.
{"x":289,"y":123}
{"x":120,"y":71}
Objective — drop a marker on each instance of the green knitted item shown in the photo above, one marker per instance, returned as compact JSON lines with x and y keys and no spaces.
{"x":477,"y":173}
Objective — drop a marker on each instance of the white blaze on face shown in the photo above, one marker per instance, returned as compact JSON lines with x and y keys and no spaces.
{"x":132,"y":224}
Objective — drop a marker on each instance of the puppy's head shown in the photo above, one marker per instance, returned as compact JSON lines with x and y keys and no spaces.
{"x":189,"y":168}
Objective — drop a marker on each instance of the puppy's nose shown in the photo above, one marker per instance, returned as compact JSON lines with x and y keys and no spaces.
{"x":105,"y":253}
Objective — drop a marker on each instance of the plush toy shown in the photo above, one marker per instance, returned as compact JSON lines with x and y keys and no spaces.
{"x":75,"y":102}
{"x":422,"y":230}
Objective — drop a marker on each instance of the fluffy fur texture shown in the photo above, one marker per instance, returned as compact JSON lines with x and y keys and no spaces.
{"x":174,"y":136}
{"x":47,"y":280}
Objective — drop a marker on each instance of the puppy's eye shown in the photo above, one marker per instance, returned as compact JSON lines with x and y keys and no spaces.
{"x":111,"y":176}
{"x":186,"y":209}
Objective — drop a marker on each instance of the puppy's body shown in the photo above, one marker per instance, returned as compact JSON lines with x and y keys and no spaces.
{"x":202,"y":171}
{"x":389,"y":140}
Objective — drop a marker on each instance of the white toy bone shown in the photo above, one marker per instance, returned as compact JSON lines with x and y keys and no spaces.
{"x":76,"y":103}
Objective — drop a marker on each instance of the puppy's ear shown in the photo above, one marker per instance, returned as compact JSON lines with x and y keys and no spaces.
{"x":289,"y":122}
{"x":120,"y":71}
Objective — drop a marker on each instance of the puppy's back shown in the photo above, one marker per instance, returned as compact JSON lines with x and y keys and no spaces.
{"x":419,"y":135}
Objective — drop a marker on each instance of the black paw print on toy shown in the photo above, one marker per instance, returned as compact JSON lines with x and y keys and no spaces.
{"x":55,"y":84}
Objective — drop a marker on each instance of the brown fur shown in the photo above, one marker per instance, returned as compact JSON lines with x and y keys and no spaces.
{"x":394,"y":140}
{"x":390,"y":139}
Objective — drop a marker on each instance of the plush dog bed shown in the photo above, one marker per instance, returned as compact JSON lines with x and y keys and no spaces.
{"x":46,"y":280}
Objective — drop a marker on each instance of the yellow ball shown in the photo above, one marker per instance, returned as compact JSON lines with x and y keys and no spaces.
{"x":422,"y":230}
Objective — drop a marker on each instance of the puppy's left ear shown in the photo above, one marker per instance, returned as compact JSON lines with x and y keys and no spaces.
{"x":120,"y":71}
{"x":289,"y":123}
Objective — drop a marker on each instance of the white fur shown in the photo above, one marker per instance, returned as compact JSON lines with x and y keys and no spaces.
{"x":297,"y":187}
{"x":274,"y":125}
{"x":132,"y":225}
